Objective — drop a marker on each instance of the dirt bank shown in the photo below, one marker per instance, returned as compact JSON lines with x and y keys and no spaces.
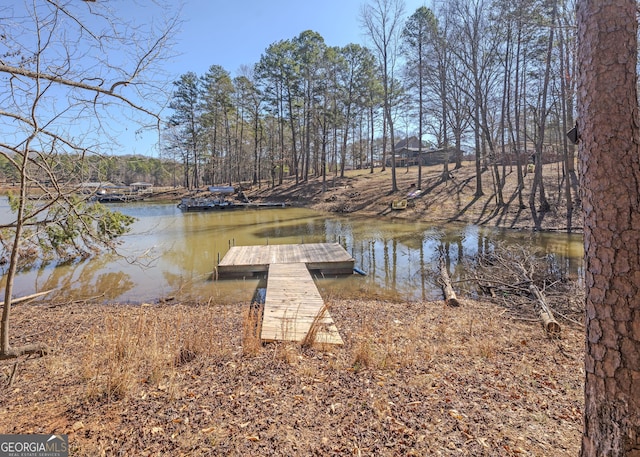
{"x":364,"y":193}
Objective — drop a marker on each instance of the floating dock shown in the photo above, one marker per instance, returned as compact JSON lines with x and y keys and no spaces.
{"x":243,"y":261}
{"x":195,"y":204}
{"x":293,"y":309}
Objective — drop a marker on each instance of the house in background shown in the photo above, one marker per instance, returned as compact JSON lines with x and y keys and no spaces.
{"x":407,"y":153}
{"x":96,"y":187}
{"x":140,"y":186}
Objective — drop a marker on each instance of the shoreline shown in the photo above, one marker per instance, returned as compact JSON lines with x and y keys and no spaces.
{"x":361,"y":193}
{"x":413,"y":377}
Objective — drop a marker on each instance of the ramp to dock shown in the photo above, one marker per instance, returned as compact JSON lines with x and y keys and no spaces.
{"x":294,"y":308}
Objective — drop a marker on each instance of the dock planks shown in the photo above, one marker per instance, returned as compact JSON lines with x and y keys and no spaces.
{"x":293,"y":306}
{"x":330,"y":258}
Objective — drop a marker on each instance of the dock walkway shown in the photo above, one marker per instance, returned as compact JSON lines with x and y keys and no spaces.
{"x":293,"y":306}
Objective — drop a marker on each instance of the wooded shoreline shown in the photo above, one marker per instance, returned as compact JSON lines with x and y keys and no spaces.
{"x":363,"y":193}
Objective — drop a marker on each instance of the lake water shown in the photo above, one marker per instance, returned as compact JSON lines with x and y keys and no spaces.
{"x":172,"y":254}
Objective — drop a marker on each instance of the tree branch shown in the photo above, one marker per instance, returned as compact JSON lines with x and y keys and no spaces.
{"x":36,"y":75}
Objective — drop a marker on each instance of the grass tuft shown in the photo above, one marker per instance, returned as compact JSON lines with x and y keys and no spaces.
{"x":251,"y":330}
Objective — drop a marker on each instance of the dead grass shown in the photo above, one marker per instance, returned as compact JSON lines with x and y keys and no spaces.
{"x":251,"y":330}
{"x":412,"y":379}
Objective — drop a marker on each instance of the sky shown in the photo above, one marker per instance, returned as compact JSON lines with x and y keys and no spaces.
{"x":228,"y":33}
{"x":231,"y":33}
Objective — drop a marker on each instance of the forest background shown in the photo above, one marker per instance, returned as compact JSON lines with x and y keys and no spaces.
{"x":487,"y":81}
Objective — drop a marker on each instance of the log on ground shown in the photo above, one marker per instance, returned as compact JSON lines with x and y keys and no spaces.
{"x":450,"y":297}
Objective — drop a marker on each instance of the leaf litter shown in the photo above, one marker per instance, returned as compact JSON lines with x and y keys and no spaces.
{"x":413,"y":378}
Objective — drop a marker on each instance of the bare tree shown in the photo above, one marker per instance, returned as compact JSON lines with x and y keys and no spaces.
{"x":72,"y":76}
{"x":609,"y":147}
{"x":418,"y":34}
{"x":475,"y":48}
{"x":382,"y":21}
{"x":538,"y":183}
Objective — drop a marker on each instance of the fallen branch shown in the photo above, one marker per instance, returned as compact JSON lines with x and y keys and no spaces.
{"x":84,"y":301}
{"x":28,"y":297}
{"x":14,"y":353}
{"x":528,"y":284}
{"x":549,"y":322}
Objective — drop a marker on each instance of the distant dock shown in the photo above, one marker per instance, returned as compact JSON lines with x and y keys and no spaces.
{"x":293,"y":309}
{"x":218,"y":199}
{"x":207,"y":204}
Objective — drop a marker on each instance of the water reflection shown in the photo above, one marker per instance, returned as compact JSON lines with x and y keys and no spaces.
{"x":173,"y":254}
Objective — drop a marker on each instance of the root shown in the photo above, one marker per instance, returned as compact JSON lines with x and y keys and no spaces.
{"x":30,"y":349}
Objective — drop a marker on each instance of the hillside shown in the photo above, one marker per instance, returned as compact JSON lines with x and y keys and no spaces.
{"x":364,"y":193}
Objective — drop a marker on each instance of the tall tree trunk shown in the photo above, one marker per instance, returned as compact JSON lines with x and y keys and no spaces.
{"x":281,"y":136}
{"x":394,"y":182}
{"x":514,"y":126}
{"x":292,"y":125}
{"x":497,"y":181}
{"x":323,"y":159}
{"x":458,"y":139}
{"x":372,"y":136}
{"x":256,"y":136}
{"x":609,"y":151}
{"x":476,"y":132}
{"x":384,"y":141}
{"x":542,"y":121}
{"x":227,"y":131}
{"x":5,"y":347}
{"x":564,"y":114}
{"x":445,"y":115}
{"x":420,"y":106}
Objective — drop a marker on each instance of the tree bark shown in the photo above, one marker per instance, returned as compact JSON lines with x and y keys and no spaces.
{"x":609,"y":162}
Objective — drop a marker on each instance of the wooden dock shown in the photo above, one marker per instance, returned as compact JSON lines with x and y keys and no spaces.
{"x":328,"y":258}
{"x":293,"y":309}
